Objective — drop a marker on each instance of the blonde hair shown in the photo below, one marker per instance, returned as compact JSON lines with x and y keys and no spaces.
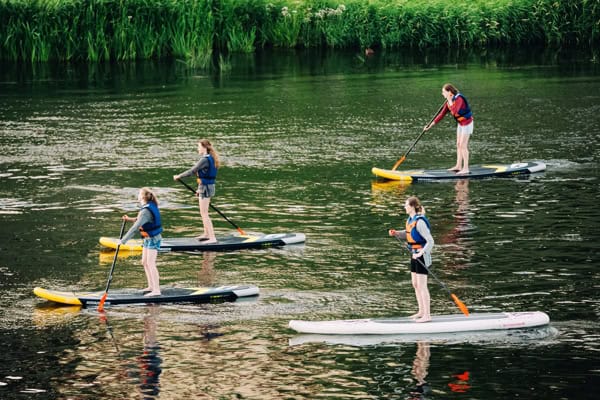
{"x":148,"y":195}
{"x":211,"y":150}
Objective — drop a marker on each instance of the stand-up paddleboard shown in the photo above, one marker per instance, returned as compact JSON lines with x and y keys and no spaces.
{"x":476,"y":171}
{"x":168,"y":295}
{"x":438,"y":324}
{"x":226,"y":243}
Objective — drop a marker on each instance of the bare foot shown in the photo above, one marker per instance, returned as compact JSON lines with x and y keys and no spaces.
{"x":201,"y":238}
{"x":152,"y":294}
{"x":455,"y":168}
{"x":423,"y":319}
{"x":147,"y":289}
{"x":463,"y":172}
{"x":415,"y":316}
{"x":209,"y":241}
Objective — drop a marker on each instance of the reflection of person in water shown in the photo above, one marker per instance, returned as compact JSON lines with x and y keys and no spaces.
{"x":461,"y":225}
{"x":420,"y":370}
{"x":206,"y":274}
{"x":150,"y":361}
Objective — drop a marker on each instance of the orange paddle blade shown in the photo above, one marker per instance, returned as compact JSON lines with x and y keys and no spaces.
{"x":460,"y":304}
{"x":102,"y":300}
{"x":400,"y":161}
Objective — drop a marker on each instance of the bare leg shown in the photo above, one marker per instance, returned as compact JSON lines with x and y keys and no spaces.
{"x":152,"y":272}
{"x":423,"y":295}
{"x":463,"y":149}
{"x":206,"y":221}
{"x":145,"y":265}
{"x":419,"y":313}
{"x":458,"y":157}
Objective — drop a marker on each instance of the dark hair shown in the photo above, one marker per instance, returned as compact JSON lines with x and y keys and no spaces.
{"x":211,"y":150}
{"x":448,"y":87}
{"x":414,"y":202}
{"x":148,"y":195}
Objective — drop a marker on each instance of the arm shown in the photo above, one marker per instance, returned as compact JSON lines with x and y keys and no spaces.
{"x":426,"y":233}
{"x":143,"y":217}
{"x":201,"y":164}
{"x":438,"y":117}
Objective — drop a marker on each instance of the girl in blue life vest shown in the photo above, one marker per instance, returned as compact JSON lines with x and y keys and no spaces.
{"x":457,"y":105}
{"x":206,"y":172}
{"x":420,"y":242}
{"x":148,"y":223}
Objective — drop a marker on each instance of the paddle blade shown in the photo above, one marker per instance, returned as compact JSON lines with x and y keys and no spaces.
{"x":102,"y":300}
{"x":400,"y":161}
{"x":241,"y":231}
{"x":460,"y":304}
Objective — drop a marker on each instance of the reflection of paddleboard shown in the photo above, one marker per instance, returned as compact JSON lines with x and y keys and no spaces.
{"x":223,"y":243}
{"x":168,"y":295}
{"x":513,"y":337}
{"x":476,"y":171}
{"x":438,"y":324}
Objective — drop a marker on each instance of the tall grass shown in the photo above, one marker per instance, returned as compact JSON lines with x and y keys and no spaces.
{"x":99,"y":30}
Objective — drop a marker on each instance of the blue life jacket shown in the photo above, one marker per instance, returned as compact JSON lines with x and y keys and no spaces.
{"x":413,"y":237}
{"x":463,"y":113}
{"x":151,"y":229}
{"x":208,"y":177}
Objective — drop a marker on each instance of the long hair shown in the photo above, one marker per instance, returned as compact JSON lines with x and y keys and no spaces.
{"x":211,"y":150}
{"x":148,"y":195}
{"x":448,"y":87}
{"x":414,"y":201}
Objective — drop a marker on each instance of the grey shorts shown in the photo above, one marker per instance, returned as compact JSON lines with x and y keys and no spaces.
{"x":206,"y":191}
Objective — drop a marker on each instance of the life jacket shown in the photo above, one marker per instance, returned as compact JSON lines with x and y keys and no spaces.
{"x":208,"y":177}
{"x":151,"y":229}
{"x":463,"y":113}
{"x":413,"y":237}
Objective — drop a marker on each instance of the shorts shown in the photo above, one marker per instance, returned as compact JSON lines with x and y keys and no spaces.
{"x":206,"y":191}
{"x":418,"y":266}
{"x":152,"y":243}
{"x":464,"y":129}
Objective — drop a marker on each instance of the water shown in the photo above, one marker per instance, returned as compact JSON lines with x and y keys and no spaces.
{"x":298,"y":134}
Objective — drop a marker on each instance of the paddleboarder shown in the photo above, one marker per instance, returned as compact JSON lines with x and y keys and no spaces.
{"x":420,"y":242}
{"x":148,"y":223}
{"x":206,"y":172}
{"x":457,"y":105}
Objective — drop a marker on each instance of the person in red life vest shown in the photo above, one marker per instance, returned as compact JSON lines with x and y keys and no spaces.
{"x":206,"y":172}
{"x":420,"y":243}
{"x":148,"y":223}
{"x":458,"y":106}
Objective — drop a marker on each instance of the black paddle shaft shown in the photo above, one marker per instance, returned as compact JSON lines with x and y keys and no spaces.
{"x":112,"y":268}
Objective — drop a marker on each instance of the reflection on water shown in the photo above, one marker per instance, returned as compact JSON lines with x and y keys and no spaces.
{"x":298,"y":134}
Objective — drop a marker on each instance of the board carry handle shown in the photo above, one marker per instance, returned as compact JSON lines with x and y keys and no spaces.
{"x":456,"y":300}
{"x":112,"y":268}
{"x":401,"y":160}
{"x":216,"y":209}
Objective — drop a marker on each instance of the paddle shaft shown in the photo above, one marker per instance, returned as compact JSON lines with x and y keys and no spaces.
{"x":216,"y":209}
{"x":112,"y":269}
{"x":401,"y":160}
{"x":459,"y":303}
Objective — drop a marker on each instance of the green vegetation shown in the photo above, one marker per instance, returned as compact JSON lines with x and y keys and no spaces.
{"x":97,"y":30}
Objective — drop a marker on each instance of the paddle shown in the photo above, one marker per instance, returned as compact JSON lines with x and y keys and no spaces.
{"x":401,"y":160}
{"x":110,"y":275}
{"x":458,"y":303}
{"x":216,"y":209}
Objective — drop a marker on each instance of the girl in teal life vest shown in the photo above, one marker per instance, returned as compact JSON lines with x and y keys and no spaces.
{"x":206,"y":172}
{"x":148,"y":223}
{"x":420,"y":243}
{"x":457,"y":105}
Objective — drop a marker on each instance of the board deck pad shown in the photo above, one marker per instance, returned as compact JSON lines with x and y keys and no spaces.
{"x":438,"y":324}
{"x":225,"y":243}
{"x":476,"y":171}
{"x":136,"y":296}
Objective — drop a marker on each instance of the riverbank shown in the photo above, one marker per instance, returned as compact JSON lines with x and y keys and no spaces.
{"x":93,"y":30}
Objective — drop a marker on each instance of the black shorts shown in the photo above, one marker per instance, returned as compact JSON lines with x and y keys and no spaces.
{"x":418,"y":266}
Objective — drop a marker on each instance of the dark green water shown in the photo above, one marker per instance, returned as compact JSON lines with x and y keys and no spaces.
{"x":298,"y":135}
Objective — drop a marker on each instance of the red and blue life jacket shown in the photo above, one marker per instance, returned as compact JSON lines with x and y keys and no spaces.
{"x":463,"y":113}
{"x":151,"y":229}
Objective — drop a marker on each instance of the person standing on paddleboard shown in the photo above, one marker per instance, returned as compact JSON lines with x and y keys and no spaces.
{"x":206,"y":172}
{"x":420,"y":242}
{"x":458,"y":106}
{"x":148,"y":222}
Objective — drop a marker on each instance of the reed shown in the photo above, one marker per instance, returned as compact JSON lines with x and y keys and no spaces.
{"x":190,"y":30}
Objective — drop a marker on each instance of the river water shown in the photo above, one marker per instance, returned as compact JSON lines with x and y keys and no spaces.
{"x":298,"y":134}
